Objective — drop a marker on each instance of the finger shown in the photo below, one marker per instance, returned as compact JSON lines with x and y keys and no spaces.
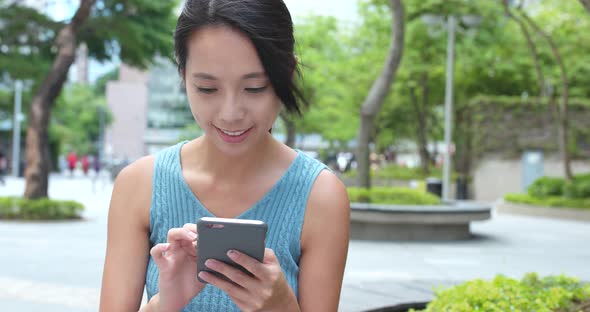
{"x":191,"y":227}
{"x":231,"y":289}
{"x":269,"y":256}
{"x":181,"y":234}
{"x":234,"y":274}
{"x":252,"y":265}
{"x":189,"y":248}
{"x":157,"y":253}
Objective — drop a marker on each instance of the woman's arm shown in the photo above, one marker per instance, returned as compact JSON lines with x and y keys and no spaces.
{"x":324,"y":244}
{"x":128,"y":249}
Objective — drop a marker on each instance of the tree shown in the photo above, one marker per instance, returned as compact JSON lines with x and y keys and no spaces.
{"x":37,"y":153}
{"x":410,"y":112}
{"x":379,"y":90}
{"x":75,"y":121}
{"x":586,"y":4}
{"x":531,"y":44}
{"x":138,"y":30}
{"x":562,"y":115}
{"x":325,"y":60}
{"x":26,"y":42}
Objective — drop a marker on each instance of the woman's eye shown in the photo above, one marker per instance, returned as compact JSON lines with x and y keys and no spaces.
{"x":256,"y":90}
{"x":206,"y":90}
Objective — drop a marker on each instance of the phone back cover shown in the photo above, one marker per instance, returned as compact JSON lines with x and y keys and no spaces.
{"x":214,"y":243}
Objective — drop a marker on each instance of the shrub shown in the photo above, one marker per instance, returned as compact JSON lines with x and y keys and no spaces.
{"x":396,"y":172}
{"x":547,"y":186}
{"x":39,"y":209}
{"x":552,"y":293}
{"x":392,"y":196}
{"x":579,"y":188}
{"x":580,"y":203}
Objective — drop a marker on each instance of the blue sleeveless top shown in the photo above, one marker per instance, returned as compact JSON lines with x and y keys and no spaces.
{"x":282,"y":208}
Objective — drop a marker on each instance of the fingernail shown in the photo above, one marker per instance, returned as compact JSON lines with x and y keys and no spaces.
{"x":232,"y":254}
{"x":210,"y":263}
{"x":192,"y":235}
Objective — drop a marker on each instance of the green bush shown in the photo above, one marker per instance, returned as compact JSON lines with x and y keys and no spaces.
{"x":39,"y":209}
{"x":547,"y":186}
{"x":396,"y":172}
{"x":559,"y":202}
{"x":392,"y":196}
{"x":550,"y":294}
{"x":578,"y":188}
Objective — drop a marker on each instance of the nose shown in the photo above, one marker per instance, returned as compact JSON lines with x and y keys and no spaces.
{"x":231,"y":109}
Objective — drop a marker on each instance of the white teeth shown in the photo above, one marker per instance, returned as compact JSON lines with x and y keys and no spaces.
{"x":235,"y":133}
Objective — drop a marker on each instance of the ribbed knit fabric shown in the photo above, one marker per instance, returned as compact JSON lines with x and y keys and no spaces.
{"x":282,"y":208}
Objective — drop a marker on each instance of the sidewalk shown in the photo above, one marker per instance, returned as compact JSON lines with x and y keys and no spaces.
{"x":57,"y":266}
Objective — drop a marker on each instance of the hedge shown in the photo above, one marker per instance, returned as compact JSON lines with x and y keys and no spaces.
{"x":14,"y":208}
{"x":554,"y":201}
{"x":392,"y":196}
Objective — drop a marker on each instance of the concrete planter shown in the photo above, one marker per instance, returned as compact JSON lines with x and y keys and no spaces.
{"x":449,"y":221}
{"x":404,"y":307}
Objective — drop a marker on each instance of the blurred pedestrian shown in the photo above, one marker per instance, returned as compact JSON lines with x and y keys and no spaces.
{"x":72,"y":160}
{"x":85,"y":164}
{"x":3,"y":167}
{"x":96,"y":164}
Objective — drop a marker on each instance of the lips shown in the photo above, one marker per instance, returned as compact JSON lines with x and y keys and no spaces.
{"x":233,"y":133}
{"x":233,"y":136}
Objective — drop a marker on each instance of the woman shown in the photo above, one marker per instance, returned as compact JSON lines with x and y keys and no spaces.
{"x":236,"y":59}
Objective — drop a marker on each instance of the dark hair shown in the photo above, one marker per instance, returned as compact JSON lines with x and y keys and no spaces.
{"x":269,"y":26}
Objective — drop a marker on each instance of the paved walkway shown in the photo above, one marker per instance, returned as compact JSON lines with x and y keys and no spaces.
{"x":57,"y":266}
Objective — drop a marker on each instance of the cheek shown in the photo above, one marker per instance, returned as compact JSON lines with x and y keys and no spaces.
{"x":199,"y":111}
{"x":272,"y":108}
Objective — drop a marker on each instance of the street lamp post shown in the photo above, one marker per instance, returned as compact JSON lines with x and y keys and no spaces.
{"x":18,"y":89}
{"x":436,"y":20}
{"x":448,"y":107}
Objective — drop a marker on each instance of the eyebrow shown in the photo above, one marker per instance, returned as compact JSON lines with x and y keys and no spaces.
{"x":206,"y":76}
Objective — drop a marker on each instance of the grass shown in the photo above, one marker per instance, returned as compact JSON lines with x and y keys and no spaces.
{"x":550,"y":201}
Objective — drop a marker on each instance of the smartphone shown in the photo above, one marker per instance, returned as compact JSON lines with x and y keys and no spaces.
{"x":217,"y":236}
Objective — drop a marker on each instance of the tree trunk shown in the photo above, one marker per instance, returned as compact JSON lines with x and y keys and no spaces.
{"x":563,"y":104}
{"x":37,"y":145}
{"x":532,"y":48}
{"x":421,"y":127}
{"x":291,"y":130}
{"x":586,"y":4}
{"x":423,"y":131}
{"x":378,"y":92}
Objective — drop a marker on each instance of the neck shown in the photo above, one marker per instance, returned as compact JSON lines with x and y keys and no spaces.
{"x":226,"y":167}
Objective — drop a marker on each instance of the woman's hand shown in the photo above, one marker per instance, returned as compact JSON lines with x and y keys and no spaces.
{"x":266,"y":290}
{"x":177,"y":263}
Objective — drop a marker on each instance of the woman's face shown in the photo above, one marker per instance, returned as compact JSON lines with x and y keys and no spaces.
{"x":229,"y":93}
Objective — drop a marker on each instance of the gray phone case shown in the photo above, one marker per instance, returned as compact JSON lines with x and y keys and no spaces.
{"x":215,"y":242}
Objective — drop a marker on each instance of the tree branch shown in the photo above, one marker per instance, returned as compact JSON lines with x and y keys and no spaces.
{"x":532,"y":47}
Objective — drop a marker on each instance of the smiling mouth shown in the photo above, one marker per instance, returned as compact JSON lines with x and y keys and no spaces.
{"x":233,"y":133}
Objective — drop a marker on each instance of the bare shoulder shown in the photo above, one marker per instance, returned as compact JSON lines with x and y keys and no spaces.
{"x":137,"y":170}
{"x":133,"y":187}
{"x":330,"y":192}
{"x":327,"y":204}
